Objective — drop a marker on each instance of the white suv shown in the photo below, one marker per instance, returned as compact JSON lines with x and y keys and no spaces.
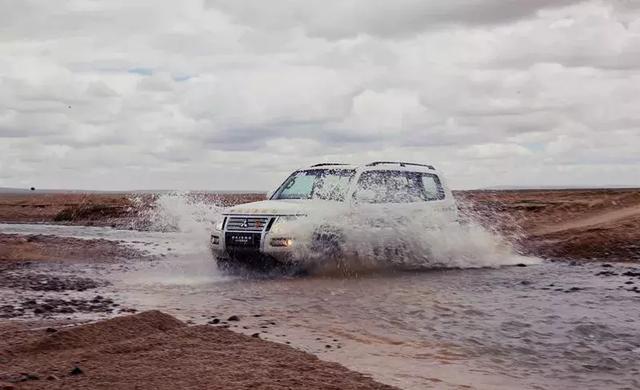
{"x":313,"y":211}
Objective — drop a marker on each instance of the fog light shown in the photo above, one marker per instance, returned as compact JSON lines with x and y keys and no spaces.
{"x":215,"y":240}
{"x":281,"y":242}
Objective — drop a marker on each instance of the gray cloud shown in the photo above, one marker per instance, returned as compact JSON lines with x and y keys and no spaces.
{"x":342,"y":19}
{"x":234,"y":94}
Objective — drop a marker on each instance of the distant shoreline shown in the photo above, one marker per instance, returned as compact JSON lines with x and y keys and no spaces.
{"x":12,"y":190}
{"x":575,"y":224}
{"x":552,"y":189}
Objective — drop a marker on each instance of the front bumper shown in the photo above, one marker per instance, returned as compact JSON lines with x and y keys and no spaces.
{"x":238,"y":244}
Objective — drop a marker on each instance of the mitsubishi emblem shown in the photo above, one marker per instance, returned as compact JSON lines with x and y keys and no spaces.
{"x":245,"y":224}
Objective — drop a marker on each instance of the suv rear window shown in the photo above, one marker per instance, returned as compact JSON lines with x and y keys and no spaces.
{"x":398,"y":187}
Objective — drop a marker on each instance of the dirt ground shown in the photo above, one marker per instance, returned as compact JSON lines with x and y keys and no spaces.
{"x":153,"y":350}
{"x":563,"y":224}
{"x":39,"y":247}
{"x":99,"y":209}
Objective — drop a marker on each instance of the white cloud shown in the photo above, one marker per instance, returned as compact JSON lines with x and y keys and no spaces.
{"x":234,"y":94}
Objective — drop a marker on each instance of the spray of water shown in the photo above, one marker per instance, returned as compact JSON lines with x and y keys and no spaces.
{"x":374,"y":240}
{"x":184,"y":222}
{"x":353,"y":240}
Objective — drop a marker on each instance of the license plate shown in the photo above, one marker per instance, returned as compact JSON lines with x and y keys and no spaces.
{"x":242,"y":240}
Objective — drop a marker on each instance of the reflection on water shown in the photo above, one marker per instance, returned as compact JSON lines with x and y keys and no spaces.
{"x":550,"y":325}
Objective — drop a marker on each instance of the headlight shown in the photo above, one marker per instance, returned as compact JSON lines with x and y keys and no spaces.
{"x":220,"y":224}
{"x":281,"y":241}
{"x":283,"y":220}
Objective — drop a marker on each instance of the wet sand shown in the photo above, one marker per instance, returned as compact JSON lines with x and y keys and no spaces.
{"x":34,"y":266}
{"x":153,"y":350}
{"x":47,"y":248}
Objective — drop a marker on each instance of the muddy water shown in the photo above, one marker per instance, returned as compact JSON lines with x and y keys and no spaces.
{"x":544,"y":326}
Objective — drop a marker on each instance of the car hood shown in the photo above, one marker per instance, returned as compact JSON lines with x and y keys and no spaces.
{"x":282,"y":207}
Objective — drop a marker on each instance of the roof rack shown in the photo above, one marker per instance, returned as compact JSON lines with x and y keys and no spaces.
{"x":402,"y":164}
{"x":323,"y":164}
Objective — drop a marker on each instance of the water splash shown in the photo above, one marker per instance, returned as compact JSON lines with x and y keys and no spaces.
{"x":375,"y":240}
{"x":185,"y":221}
{"x":359,"y":239}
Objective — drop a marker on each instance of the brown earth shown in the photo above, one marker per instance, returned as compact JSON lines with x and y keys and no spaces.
{"x":563,"y":224}
{"x":153,"y":350}
{"x":121,"y":210}
{"x":39,"y":247}
{"x":64,"y":207}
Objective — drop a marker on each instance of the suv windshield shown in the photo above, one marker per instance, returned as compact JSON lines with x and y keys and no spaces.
{"x":398,"y":187}
{"x":327,"y":184}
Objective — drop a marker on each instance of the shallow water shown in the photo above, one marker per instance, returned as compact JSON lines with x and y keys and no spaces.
{"x":544,"y":326}
{"x":482,"y":328}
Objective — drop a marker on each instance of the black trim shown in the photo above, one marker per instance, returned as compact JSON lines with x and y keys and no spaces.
{"x":276,"y":192}
{"x":271,"y":221}
{"x":402,"y":164}
{"x":325,"y":164}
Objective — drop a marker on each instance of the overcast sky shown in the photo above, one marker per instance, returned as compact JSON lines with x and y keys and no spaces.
{"x":234,"y":94}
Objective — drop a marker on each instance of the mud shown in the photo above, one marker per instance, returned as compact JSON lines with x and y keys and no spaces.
{"x":26,"y":279}
{"x":153,"y":350}
{"x":40,"y":278}
{"x":49,"y":248}
{"x":51,"y":306}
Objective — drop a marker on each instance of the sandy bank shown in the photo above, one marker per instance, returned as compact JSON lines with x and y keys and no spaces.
{"x":153,"y":350}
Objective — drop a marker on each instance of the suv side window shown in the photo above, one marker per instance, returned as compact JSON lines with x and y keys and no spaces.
{"x":397,"y":187}
{"x":432,"y":187}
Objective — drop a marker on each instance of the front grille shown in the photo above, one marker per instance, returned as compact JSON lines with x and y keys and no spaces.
{"x":247,"y":224}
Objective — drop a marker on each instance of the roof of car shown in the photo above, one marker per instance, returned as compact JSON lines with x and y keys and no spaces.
{"x":376,"y":165}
